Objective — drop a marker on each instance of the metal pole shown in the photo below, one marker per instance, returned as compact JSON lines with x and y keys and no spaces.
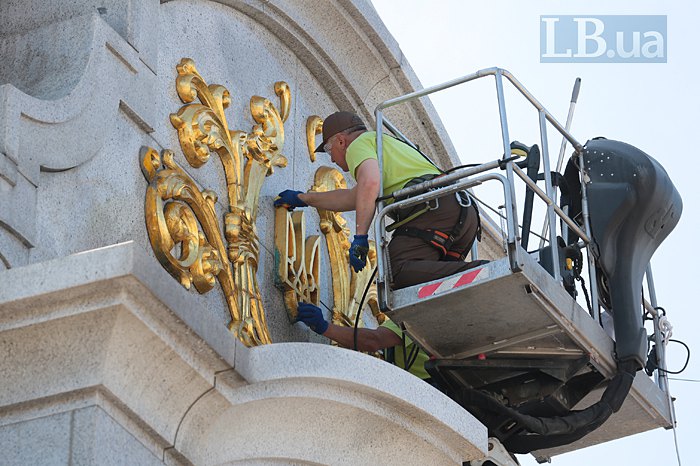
{"x":562,"y":151}
{"x":379,"y":225}
{"x":554,"y":248}
{"x":539,"y":106}
{"x":661,"y":376}
{"x":569,"y":118}
{"x":436,"y":88}
{"x":542,"y":195}
{"x":395,"y":131}
{"x":512,"y":215}
{"x":592,"y":278}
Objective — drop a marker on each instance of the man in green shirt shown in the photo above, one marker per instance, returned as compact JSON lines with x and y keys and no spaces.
{"x":430,"y":246}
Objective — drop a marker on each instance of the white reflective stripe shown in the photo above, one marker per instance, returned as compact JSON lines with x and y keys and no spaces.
{"x":447,"y":284}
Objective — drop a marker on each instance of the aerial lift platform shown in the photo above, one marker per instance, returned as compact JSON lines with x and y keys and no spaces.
{"x":491,"y":319}
{"x":508,"y":339}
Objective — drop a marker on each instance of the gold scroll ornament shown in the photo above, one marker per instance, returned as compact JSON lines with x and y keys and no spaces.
{"x":348,"y":285}
{"x":176,"y":207}
{"x":297,"y":257}
{"x":298,"y":260}
{"x":314,"y":127}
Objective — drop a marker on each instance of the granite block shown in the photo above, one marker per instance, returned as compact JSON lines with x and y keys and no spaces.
{"x":97,"y":439}
{"x":44,"y":441}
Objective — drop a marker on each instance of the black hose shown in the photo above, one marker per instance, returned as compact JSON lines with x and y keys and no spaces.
{"x":576,"y":425}
{"x":502,"y":165}
{"x":549,"y":432}
{"x":468,"y":165}
{"x":687,"y":359}
{"x":359,"y":309}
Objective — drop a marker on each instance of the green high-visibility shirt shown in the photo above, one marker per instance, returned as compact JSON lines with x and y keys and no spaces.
{"x":418,"y":366}
{"x":401,"y":162}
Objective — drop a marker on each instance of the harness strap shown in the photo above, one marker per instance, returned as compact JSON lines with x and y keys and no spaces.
{"x":411,"y":213}
{"x":404,"y":221}
{"x":443,"y":241}
{"x":436,"y":238}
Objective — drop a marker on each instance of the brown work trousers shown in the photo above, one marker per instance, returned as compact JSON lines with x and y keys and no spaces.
{"x":414,"y":261}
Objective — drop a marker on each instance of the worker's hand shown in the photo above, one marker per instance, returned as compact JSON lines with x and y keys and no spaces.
{"x":358,"y":252}
{"x":312,"y":316}
{"x":289,"y":199}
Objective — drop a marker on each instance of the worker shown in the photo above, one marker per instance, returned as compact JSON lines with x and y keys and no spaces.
{"x":432,"y":239}
{"x":400,"y":350}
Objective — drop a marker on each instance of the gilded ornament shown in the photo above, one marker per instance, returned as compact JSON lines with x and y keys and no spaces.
{"x":314,"y":127}
{"x":297,"y":259}
{"x":181,"y":219}
{"x":175,"y":207}
{"x":348,"y":285}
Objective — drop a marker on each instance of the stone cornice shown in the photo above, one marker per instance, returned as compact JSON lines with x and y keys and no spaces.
{"x":111,"y":320}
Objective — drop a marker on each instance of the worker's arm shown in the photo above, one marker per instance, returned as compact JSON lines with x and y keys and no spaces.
{"x":367,"y":175}
{"x":339,"y":200}
{"x":361,"y":198}
{"x":367,"y":339}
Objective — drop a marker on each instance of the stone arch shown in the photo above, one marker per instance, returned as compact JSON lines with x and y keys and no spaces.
{"x":359,"y":67}
{"x":300,"y":408}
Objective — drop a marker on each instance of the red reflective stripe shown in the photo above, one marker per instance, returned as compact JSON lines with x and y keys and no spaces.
{"x":439,"y":233}
{"x":428,"y":290}
{"x":467,"y":278}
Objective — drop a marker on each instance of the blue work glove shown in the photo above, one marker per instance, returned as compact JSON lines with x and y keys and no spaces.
{"x":312,"y":316}
{"x":289,"y":199}
{"x":358,"y":252}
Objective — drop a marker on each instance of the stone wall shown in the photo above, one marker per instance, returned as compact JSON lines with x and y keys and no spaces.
{"x":106,"y":358}
{"x":89,"y":87}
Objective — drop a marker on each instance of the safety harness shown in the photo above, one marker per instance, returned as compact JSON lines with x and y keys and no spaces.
{"x":441,"y":240}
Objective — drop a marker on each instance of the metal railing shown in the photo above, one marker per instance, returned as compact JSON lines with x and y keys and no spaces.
{"x":466,"y":178}
{"x":510,"y":168}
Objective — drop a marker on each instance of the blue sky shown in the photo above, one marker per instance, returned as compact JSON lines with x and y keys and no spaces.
{"x":649,"y":105}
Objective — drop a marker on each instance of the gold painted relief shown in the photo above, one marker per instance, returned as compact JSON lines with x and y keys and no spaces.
{"x":348,"y":285}
{"x":174,"y":204}
{"x":298,"y":260}
{"x":314,"y":127}
{"x":176,"y":207}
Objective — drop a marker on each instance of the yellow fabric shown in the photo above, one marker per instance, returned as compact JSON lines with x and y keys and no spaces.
{"x":418,"y":367}
{"x":402,"y":163}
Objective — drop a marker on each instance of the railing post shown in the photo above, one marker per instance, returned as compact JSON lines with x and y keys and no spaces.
{"x":550,"y":194}
{"x":660,"y":376}
{"x":592,"y":276}
{"x":512,"y":215}
{"x":383,"y":282}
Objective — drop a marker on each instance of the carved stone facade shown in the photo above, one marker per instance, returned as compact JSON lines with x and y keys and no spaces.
{"x":147,"y":285}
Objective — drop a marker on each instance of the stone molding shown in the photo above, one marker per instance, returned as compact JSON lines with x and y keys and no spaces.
{"x":44,"y":133}
{"x":56,"y":135}
{"x":106,"y":328}
{"x":348,"y":48}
